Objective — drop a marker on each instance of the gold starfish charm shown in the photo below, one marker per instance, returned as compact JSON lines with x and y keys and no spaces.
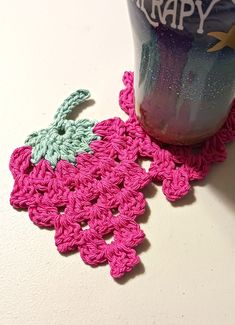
{"x":225,"y":40}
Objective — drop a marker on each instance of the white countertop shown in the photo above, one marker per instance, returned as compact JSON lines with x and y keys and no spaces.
{"x":49,"y":49}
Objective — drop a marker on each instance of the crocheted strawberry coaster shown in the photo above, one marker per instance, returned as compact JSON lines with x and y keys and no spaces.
{"x":84,"y":179}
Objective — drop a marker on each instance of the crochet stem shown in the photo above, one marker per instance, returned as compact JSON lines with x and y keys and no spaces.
{"x":69,"y":104}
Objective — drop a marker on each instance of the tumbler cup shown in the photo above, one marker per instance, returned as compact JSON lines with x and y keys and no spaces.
{"x":184,"y":66}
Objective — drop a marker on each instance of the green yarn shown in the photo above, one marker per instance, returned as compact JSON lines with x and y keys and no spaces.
{"x":63,"y":139}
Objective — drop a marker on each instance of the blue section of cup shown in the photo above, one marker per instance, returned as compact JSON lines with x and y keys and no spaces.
{"x":183,"y":91}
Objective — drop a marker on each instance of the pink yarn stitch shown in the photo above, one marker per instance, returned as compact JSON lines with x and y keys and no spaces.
{"x":103,"y":190}
{"x":175,"y":166}
{"x":99,"y":192}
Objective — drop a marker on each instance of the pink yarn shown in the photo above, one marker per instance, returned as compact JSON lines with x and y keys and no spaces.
{"x":101,"y":195}
{"x":98,"y":192}
{"x":175,"y":166}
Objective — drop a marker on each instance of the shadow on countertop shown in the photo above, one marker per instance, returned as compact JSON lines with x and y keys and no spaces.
{"x":149,"y":192}
{"x":137,"y":270}
{"x":221,"y":178}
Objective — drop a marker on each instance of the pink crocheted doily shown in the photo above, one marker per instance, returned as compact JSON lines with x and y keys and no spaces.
{"x":96,"y":191}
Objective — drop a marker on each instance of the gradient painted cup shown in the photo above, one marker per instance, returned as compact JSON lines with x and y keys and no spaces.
{"x":184,"y":67}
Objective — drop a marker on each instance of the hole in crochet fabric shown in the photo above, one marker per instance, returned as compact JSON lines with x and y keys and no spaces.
{"x":178,"y":165}
{"x":29,"y":169}
{"x":108,"y":238}
{"x":145,"y":163}
{"x":98,"y":177}
{"x":84,"y":225}
{"x":41,"y":192}
{"x":94,"y":201}
{"x":61,"y":131}
{"x":121,"y":185}
{"x":115,"y":212}
{"x":117,"y":159}
{"x":61,"y":209}
{"x":72,"y":188}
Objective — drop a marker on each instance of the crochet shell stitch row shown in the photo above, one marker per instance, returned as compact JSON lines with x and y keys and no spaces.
{"x":84,"y":179}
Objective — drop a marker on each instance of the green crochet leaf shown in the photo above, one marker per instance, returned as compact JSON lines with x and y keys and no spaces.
{"x":63,"y":139}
